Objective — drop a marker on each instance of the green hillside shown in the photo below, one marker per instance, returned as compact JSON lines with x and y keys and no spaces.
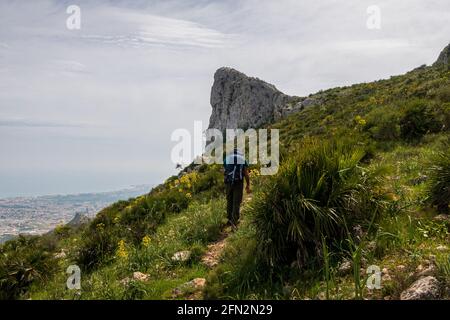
{"x":364,"y":180}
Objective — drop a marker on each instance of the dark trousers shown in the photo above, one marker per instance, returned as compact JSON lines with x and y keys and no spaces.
{"x":234,"y":198}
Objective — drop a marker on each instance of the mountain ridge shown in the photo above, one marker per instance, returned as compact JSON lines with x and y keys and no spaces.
{"x":236,"y":99}
{"x":372,"y":143}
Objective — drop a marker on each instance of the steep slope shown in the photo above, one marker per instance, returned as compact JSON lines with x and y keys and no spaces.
{"x":152,"y":246}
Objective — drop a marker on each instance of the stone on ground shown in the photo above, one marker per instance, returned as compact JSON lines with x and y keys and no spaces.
{"x":139,"y":276}
{"x":191,"y":289}
{"x":181,"y":256}
{"x":426,"y":288}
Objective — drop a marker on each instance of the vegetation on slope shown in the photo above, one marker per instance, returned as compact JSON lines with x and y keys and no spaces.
{"x":363,"y":173}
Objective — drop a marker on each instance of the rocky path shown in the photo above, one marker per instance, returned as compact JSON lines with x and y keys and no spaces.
{"x":212,"y":256}
{"x":211,"y":259}
{"x":215,"y":249}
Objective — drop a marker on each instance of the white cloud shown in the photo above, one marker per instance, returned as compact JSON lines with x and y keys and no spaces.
{"x":105,"y":99}
{"x":153,"y":30}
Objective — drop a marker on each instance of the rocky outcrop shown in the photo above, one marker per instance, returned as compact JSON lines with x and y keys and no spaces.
{"x":444,"y":58}
{"x":78,"y":220}
{"x":426,"y":288}
{"x":243,"y":102}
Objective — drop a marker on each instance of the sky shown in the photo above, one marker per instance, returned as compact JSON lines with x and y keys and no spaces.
{"x":93,"y":109}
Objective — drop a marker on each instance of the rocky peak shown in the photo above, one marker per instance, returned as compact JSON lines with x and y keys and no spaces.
{"x":239,"y":101}
{"x":444,"y":58}
{"x":78,"y":220}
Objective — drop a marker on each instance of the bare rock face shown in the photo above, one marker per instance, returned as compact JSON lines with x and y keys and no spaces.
{"x":444,"y":58}
{"x":243,"y":102}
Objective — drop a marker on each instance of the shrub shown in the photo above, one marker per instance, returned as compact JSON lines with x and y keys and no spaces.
{"x":443,"y":93}
{"x":62,"y":231}
{"x":99,"y":239}
{"x":418,"y":119}
{"x":383,"y":124}
{"x":97,"y":244}
{"x":24,"y":261}
{"x":130,"y":220}
{"x":442,"y":115}
{"x":439,"y":180}
{"x":211,"y":180}
{"x":319,"y":192}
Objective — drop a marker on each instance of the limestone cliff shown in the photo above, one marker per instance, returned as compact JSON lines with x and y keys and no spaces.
{"x":444,"y":58}
{"x":239,"y":101}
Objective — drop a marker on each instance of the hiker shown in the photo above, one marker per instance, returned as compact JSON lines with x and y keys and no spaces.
{"x":235,"y":171}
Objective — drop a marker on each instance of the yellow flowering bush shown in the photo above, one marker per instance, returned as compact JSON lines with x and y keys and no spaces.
{"x":122,"y":252}
{"x":185,"y":182}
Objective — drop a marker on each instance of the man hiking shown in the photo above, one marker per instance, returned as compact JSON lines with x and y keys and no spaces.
{"x":235,"y":171}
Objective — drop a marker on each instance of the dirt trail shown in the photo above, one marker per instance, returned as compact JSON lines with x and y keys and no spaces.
{"x":212,"y":256}
{"x":211,"y":259}
{"x":214,"y":251}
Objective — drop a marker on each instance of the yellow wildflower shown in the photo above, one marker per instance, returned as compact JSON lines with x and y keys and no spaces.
{"x":254,"y":173}
{"x":146,"y":241}
{"x":122,"y":250}
{"x":360,"y":121}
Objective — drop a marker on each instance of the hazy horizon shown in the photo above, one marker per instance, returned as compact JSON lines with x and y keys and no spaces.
{"x":92,"y":110}
{"x":54,"y":189}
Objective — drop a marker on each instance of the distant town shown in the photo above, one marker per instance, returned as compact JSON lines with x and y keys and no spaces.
{"x":38,"y":215}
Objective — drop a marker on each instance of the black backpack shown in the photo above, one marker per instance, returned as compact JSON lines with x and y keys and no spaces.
{"x":234,"y":172}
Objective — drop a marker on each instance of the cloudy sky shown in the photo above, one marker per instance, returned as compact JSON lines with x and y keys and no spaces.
{"x":93,"y":109}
